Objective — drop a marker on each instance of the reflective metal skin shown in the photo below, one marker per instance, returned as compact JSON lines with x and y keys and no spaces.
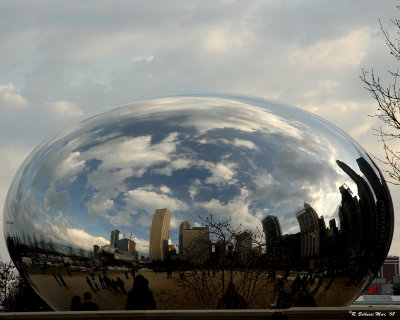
{"x":241,"y":202}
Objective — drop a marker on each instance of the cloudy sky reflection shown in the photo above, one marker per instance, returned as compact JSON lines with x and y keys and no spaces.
{"x":226,"y":156}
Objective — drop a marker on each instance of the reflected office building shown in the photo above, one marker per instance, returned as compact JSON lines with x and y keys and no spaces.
{"x":272,"y":228}
{"x":196,"y":245}
{"x":309,"y":231}
{"x":159,"y":235}
{"x":214,"y":190}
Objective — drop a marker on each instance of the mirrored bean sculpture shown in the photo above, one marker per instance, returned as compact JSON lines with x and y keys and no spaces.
{"x":199,"y":202}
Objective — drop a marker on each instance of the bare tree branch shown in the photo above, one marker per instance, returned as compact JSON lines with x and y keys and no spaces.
{"x":388,"y":111}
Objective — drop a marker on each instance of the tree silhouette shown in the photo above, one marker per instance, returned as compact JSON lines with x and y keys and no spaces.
{"x":388,"y":103}
{"x":235,"y":271}
{"x":16,"y":294}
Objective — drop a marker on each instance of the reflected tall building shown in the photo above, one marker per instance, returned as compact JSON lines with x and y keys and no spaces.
{"x":369,"y":217}
{"x":183,"y":226}
{"x":350,"y":217}
{"x":159,"y":235}
{"x":196,"y":244}
{"x":309,"y":231}
{"x":244,"y":245}
{"x":384,"y":206}
{"x":332,"y":225}
{"x":127,"y":246}
{"x":272,"y":228}
{"x":96,"y":249}
{"x":114,"y":238}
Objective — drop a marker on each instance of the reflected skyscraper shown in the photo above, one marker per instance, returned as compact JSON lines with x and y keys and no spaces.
{"x":159,"y":234}
{"x":350,"y":220}
{"x":184,"y":225}
{"x":196,"y":244}
{"x":309,"y":230}
{"x":126,"y":245}
{"x":114,"y":238}
{"x":332,"y":225}
{"x":369,"y":217}
{"x":384,"y":205}
{"x":244,"y":245}
{"x":272,"y":227}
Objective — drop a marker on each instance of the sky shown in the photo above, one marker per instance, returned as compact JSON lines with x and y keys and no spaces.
{"x":62,"y":60}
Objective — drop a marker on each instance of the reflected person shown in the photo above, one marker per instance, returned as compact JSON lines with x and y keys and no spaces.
{"x":88,"y":304}
{"x":76,"y":303}
{"x":282,"y":299}
{"x":140,"y":296}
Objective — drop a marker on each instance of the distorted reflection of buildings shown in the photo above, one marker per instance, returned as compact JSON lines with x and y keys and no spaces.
{"x":361,"y":240}
{"x":356,"y":241}
{"x":118,"y":250}
{"x":159,"y":235}
{"x":376,"y":208}
{"x":384,"y":204}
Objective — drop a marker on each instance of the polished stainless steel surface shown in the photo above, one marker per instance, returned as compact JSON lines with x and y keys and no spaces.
{"x":216,"y":200}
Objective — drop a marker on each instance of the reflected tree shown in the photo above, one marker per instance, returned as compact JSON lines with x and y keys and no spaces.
{"x":8,"y":284}
{"x":16,"y":294}
{"x":233,"y":276}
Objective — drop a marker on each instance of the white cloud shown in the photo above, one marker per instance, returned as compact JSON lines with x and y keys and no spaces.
{"x":173,"y":165}
{"x":65,"y":109}
{"x":236,"y":208}
{"x":240,"y":143}
{"x":165,"y":189}
{"x":59,"y":231}
{"x":251,"y":119}
{"x":103,"y":46}
{"x":122,"y":218}
{"x":100,"y":206}
{"x":264,"y":182}
{"x":82,"y":239}
{"x":11,"y":97}
{"x":194,"y":188}
{"x":142,"y":245}
{"x":13,"y":154}
{"x":69,"y":168}
{"x":343,"y":52}
{"x":145,"y":59}
{"x":136,"y":153}
{"x":55,"y":199}
{"x":149,"y":199}
{"x":108,"y":178}
{"x":324,"y":87}
{"x":221,"y":173}
{"x":222,"y":39}
{"x":362,"y":129}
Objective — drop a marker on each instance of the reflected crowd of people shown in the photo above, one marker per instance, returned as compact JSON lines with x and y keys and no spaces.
{"x":84,"y":305}
{"x":140,"y":297}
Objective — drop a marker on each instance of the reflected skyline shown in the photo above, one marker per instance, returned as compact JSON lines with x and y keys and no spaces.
{"x":303,"y":193}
